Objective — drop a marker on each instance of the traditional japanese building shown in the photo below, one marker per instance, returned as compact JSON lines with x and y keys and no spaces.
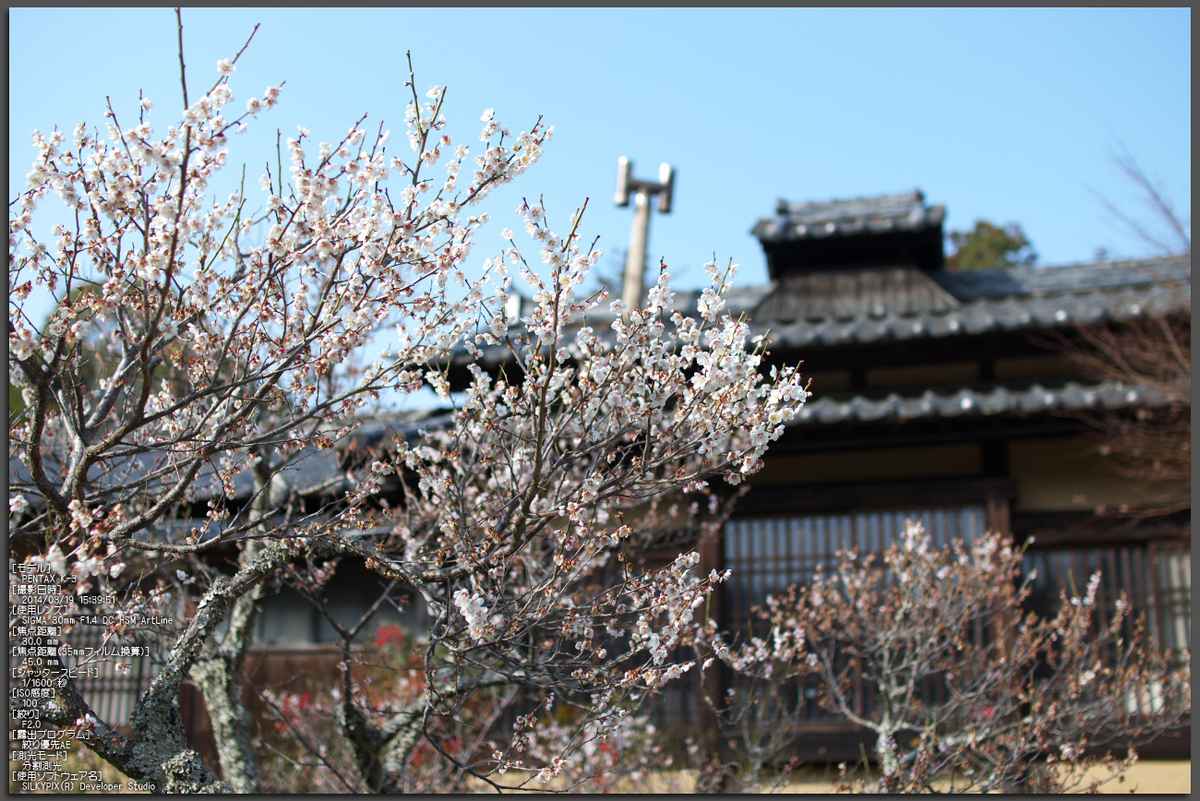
{"x":935,"y":396}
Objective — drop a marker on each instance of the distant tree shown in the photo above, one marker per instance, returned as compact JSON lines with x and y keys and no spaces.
{"x":87,"y":365}
{"x":1153,"y":444}
{"x":15,"y":404}
{"x":94,"y":356}
{"x":1155,"y":351}
{"x":1167,"y":231}
{"x":990,"y":247}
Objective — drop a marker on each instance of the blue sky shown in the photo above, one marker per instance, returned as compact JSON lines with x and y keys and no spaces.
{"x":1008,"y":115}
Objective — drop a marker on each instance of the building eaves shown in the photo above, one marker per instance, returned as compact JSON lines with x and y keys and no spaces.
{"x":982,"y":315}
{"x":966,"y":402}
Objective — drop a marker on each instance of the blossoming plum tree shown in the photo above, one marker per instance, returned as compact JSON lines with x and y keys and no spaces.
{"x":970,"y":691}
{"x":194,"y":359}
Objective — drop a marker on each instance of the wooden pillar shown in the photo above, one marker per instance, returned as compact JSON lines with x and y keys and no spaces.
{"x":997,"y":517}
{"x":995,"y":457}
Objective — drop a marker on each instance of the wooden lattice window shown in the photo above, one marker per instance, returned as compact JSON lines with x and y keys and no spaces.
{"x":112,"y":693}
{"x":1156,"y":578}
{"x":768,"y":555}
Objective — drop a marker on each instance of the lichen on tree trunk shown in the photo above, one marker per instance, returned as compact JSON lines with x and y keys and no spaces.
{"x":218,"y":677}
{"x":382,"y":754}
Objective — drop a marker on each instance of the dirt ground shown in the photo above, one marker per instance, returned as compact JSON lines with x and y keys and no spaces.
{"x":1165,"y":777}
{"x":1156,"y":777}
{"x":1147,"y":776}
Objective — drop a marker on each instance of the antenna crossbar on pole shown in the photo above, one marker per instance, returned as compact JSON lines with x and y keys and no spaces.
{"x":641,"y":193}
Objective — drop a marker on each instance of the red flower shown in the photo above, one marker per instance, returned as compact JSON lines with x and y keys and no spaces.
{"x":388,"y":633}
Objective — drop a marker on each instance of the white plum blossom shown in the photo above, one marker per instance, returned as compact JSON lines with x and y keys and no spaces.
{"x":57,"y":560}
{"x":474,"y":612}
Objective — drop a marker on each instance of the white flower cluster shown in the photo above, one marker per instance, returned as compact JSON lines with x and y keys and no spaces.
{"x":472,"y":609}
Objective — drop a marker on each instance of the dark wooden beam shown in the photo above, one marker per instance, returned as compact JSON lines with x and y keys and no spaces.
{"x":1085,"y":529}
{"x":890,"y":434}
{"x":853,"y":497}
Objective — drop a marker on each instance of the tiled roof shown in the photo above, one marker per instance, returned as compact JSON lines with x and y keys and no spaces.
{"x":901,"y":303}
{"x":1036,"y":398}
{"x":903,"y":212}
{"x":310,"y":470}
{"x":981,"y":316}
{"x":1169,"y":271}
{"x":409,"y":425}
{"x":834,"y":308}
{"x":307,"y":471}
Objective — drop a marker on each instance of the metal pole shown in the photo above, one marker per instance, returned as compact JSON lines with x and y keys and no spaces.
{"x":635,"y":263}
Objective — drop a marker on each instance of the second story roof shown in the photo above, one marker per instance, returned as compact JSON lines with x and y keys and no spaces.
{"x":885,"y":230}
{"x":819,"y":219}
